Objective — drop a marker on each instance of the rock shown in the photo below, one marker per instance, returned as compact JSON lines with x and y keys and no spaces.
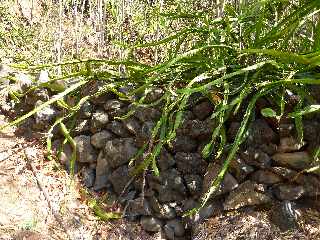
{"x":269,"y":148}
{"x":232,"y":131}
{"x":165,"y":160}
{"x":173,"y":180}
{"x":120,"y":151}
{"x":103,"y":172}
{"x":113,"y":104}
{"x":257,"y":158}
{"x":311,"y":129}
{"x":137,"y":207}
{"x":162,"y":211}
{"x":85,"y":151}
{"x":118,"y":128}
{"x":289,"y":144}
{"x":144,"y":134}
{"x":190,"y":163}
{"x":296,"y":160}
{"x":265,"y":177}
{"x":82,"y":126}
{"x":132,"y":124}
{"x":184,"y":143}
{"x":194,"y":184}
{"x":167,"y":194}
{"x":310,"y":184}
{"x":286,"y":173}
{"x":151,"y":224}
{"x":288,"y":192}
{"x":64,"y":155}
{"x":284,"y":215}
{"x":202,"y":110}
{"x":174,"y":228}
{"x":228,"y":184}
{"x":246,"y":194}
{"x":99,"y":139}
{"x":43,"y":76}
{"x":99,"y":120}
{"x":286,"y":130}
{"x":127,"y":196}
{"x":145,"y":114}
{"x":201,"y":130}
{"x":153,"y":95}
{"x":88,"y":177}
{"x":120,"y":178}
{"x":23,"y":80}
{"x":41,"y":94}
{"x":240,"y":169}
{"x":260,"y":133}
{"x":44,"y":117}
{"x":86,"y":110}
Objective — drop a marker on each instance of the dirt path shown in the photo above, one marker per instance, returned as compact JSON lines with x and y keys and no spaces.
{"x":38,"y":201}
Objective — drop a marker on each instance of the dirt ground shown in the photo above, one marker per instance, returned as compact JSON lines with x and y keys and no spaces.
{"x":38,"y":201}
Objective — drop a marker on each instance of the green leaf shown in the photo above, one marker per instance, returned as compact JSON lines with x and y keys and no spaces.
{"x":268,"y":112}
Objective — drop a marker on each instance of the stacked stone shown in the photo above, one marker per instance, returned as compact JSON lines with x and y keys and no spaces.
{"x":263,"y":173}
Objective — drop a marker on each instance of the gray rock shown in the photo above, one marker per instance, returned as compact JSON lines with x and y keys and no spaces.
{"x":167,"y":194}
{"x":232,"y":131}
{"x":145,"y":114}
{"x":284,"y":215}
{"x":228,"y":184}
{"x":43,"y":76}
{"x":288,"y":192}
{"x":296,"y":160}
{"x":173,"y":179}
{"x":286,"y":173}
{"x":260,"y":133}
{"x":99,"y":139}
{"x":257,"y":158}
{"x":120,"y":151}
{"x":88,"y":177}
{"x":82,"y":126}
{"x":113,"y":104}
{"x":183,"y":143}
{"x":246,"y":194}
{"x":85,"y":151}
{"x":289,"y":144}
{"x":44,"y":117}
{"x":120,"y":178}
{"x":162,"y":211}
{"x":202,"y":110}
{"x":64,"y":154}
{"x":41,"y":94}
{"x":194,"y":184}
{"x":265,"y":177}
{"x":132,"y":124}
{"x":269,"y":148}
{"x":137,"y":207}
{"x":103,"y":172}
{"x":286,"y":129}
{"x":151,"y":224}
{"x":99,"y":120}
{"x":190,"y":163}
{"x":310,"y":183}
{"x":201,"y":130}
{"x":153,"y":95}
{"x":165,"y":160}
{"x":118,"y":128}
{"x":174,"y":228}
{"x":240,"y":169}
{"x":23,"y":80}
{"x":144,"y":134}
{"x":86,"y":110}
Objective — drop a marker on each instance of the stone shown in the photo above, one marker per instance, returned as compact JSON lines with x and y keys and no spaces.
{"x":64,"y":154}
{"x":145,"y":114}
{"x":120,"y":151}
{"x":162,"y":211}
{"x":82,"y":126}
{"x":113,"y":104}
{"x":43,"y":76}
{"x":103,"y":172}
{"x":151,"y":224}
{"x":132,"y":124}
{"x":194,"y":184}
{"x":173,"y":179}
{"x":201,"y":130}
{"x":118,"y":129}
{"x":99,"y":139}
{"x":288,"y":192}
{"x":136,"y":208}
{"x":85,"y":151}
{"x":228,"y":183}
{"x":45,"y":116}
{"x":23,"y":80}
{"x":286,"y":130}
{"x":120,"y":178}
{"x":265,"y":177}
{"x":256,"y":158}
{"x":289,"y":144}
{"x":183,"y":143}
{"x":310,"y":184}
{"x":247,"y":194}
{"x":144,"y":134}
{"x":167,"y":194}
{"x":284,"y":215}
{"x":88,"y":177}
{"x":286,"y":173}
{"x":232,"y":131}
{"x":153,"y":94}
{"x":99,"y":120}
{"x":203,"y":110}
{"x":268,"y":148}
{"x":295,"y":160}
{"x":41,"y":94}
{"x":239,"y":169}
{"x":190,"y":163}
{"x":174,"y":228}
{"x":86,"y":110}
{"x":165,"y":160}
{"x":260,"y":133}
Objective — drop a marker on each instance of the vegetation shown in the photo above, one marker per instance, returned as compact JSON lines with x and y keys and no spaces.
{"x":233,"y":52}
